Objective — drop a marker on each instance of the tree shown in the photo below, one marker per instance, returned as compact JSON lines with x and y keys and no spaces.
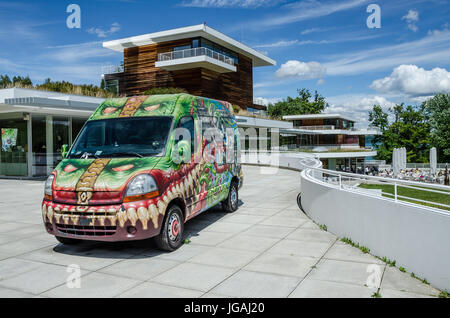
{"x":438,"y":111}
{"x":378,"y":118}
{"x":22,"y":81}
{"x":304,"y":103}
{"x":410,"y":129}
{"x":5,"y":81}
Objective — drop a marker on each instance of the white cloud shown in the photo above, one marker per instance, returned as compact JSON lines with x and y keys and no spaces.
{"x":230,"y":3}
{"x":265,"y":101}
{"x":411,"y":18}
{"x":414,"y":81}
{"x":356,"y":106}
{"x":101,"y":33}
{"x":301,"y":70}
{"x":433,"y":48}
{"x":281,"y":43}
{"x":308,"y":9}
{"x":315,"y":30}
{"x":77,"y":52}
{"x":320,"y":81}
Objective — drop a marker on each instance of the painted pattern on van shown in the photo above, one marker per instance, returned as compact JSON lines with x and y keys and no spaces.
{"x":199,"y":183}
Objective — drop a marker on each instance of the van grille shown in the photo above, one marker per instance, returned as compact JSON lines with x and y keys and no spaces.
{"x":98,"y":197}
{"x":81,"y":230}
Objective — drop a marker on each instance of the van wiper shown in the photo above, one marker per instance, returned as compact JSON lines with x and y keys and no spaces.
{"x":86,"y":155}
{"x":125,"y":153}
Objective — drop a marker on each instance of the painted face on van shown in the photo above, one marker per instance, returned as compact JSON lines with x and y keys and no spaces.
{"x":96,"y":182}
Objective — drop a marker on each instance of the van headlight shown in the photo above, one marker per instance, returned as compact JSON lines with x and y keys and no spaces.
{"x":49,"y":187}
{"x":141,"y":187}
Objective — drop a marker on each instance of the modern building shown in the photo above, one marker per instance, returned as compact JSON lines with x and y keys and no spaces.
{"x":197,"y":58}
{"x":332,"y":138}
{"x":34,"y":125}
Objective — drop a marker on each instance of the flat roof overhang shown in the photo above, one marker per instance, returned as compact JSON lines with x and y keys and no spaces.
{"x":349,"y":154}
{"x":42,"y":105}
{"x":200,"y":30}
{"x":361,"y":132}
{"x":194,"y":62}
{"x":318,"y":116}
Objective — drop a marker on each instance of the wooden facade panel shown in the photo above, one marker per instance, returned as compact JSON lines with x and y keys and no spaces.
{"x":140,"y":74}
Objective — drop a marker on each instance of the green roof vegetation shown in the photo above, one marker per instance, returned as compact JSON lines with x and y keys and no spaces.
{"x":56,"y":86}
{"x":388,"y":191}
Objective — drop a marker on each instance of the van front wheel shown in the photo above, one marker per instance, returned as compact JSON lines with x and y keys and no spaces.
{"x":171,"y":236}
{"x":231,"y":203}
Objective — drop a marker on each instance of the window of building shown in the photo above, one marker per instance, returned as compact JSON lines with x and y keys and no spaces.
{"x":14,"y":145}
{"x":112,"y":86}
{"x":218,"y":48}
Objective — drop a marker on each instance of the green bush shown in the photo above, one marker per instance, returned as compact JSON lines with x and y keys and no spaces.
{"x":165,"y":90}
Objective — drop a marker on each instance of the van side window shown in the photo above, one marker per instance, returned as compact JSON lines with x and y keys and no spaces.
{"x":187,"y":122}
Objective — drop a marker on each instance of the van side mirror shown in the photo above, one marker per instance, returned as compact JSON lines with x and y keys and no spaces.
{"x":64,"y":151}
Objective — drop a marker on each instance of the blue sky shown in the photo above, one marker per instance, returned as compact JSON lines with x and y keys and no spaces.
{"x":318,"y":44}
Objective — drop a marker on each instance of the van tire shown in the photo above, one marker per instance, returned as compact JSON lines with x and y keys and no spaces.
{"x":231,"y":203}
{"x":168,"y":240}
{"x":67,"y":241}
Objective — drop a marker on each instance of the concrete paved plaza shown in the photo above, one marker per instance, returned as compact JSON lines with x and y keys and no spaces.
{"x":268,"y":248}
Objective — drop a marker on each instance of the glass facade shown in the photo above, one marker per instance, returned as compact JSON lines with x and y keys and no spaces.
{"x":14,"y":145}
{"x":201,"y":42}
{"x":43,"y":135}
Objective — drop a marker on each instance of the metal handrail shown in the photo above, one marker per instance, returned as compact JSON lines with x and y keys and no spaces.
{"x":200,"y":51}
{"x":395,"y":182}
{"x":112,"y":69}
{"x":318,"y":127}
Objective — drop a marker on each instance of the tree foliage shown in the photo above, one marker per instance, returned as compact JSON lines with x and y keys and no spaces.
{"x":5,"y":81}
{"x":410,"y":129}
{"x":55,"y":86}
{"x":304,"y":103}
{"x":438,"y":111}
{"x":165,"y":90}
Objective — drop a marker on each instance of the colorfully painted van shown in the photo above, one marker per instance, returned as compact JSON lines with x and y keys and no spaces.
{"x":143,"y":166}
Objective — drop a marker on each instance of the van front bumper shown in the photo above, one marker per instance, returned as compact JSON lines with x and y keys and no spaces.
{"x":123,"y":222}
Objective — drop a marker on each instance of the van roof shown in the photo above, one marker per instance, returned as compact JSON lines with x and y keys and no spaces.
{"x":154,"y":105}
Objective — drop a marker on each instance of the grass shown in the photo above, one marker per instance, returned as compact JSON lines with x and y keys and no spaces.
{"x":388,"y":261}
{"x":363,"y":249}
{"x":444,"y":294}
{"x":423,"y":280}
{"x":323,"y":227}
{"x":389,"y":190}
{"x":391,"y":263}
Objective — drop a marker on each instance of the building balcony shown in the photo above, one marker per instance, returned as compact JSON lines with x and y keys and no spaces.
{"x":194,"y":58}
{"x":112,"y":69}
{"x":328,"y":148}
{"x":331,"y":129}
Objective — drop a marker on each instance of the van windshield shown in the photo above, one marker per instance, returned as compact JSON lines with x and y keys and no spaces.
{"x":122,"y":137}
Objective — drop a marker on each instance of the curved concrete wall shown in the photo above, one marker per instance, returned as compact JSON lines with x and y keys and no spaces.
{"x":417,"y":238}
{"x":282,"y":160}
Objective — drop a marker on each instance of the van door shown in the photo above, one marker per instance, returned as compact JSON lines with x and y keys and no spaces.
{"x":187,"y":122}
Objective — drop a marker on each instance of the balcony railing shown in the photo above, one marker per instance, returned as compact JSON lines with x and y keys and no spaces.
{"x":318,"y":127}
{"x":327,"y":148}
{"x":201,"y":51}
{"x":112,"y":69}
